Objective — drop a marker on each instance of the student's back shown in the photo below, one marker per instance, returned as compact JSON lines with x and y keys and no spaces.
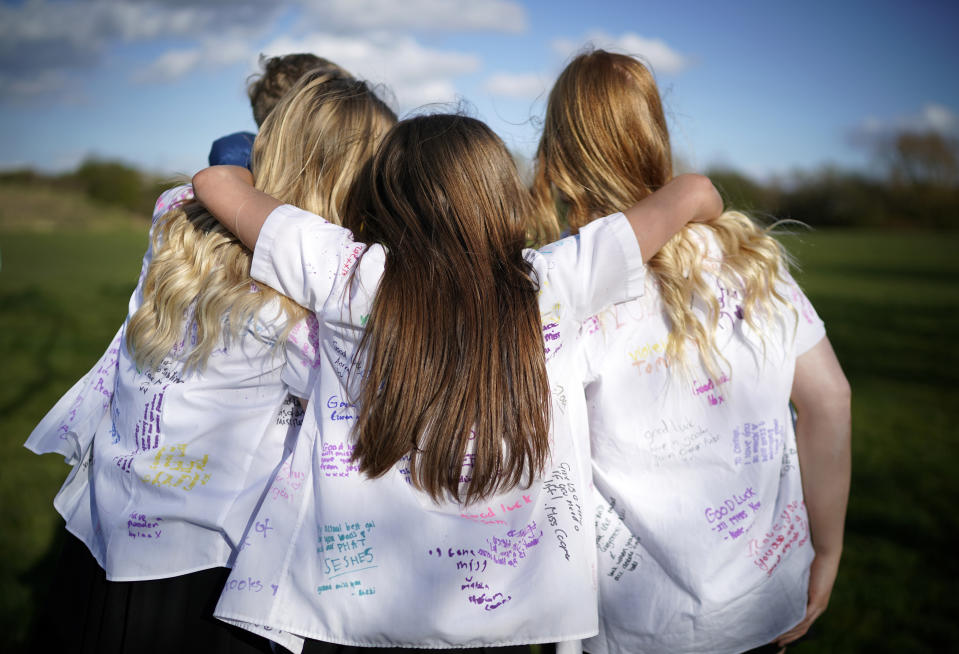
{"x":704,"y":540}
{"x":196,"y":415}
{"x":435,"y":506}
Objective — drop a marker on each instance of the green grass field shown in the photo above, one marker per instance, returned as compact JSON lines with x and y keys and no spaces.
{"x":891,"y":306}
{"x":890,"y":302}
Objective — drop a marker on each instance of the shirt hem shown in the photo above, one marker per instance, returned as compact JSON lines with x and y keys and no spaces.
{"x":242,"y":621}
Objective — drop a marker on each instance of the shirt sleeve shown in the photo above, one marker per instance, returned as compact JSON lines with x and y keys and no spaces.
{"x":171,"y":199}
{"x":809,"y":326}
{"x":307,"y":258}
{"x":601,"y":265}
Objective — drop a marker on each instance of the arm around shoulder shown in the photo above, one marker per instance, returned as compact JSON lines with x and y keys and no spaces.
{"x":658,"y":217}
{"x":228,"y":193}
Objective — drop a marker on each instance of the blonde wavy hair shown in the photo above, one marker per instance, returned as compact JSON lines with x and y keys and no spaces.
{"x":307,"y":152}
{"x":605,"y":146}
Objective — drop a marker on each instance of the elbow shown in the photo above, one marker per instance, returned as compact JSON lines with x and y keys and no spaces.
{"x":206,"y":178}
{"x":844,"y":391}
{"x":846,"y":398}
{"x":837,"y":403}
{"x":839,"y":393}
{"x":220,"y":178}
{"x":200,"y":181}
{"x":715,"y":203}
{"x":836,"y":400}
{"x":828,"y":401}
{"x":711,"y":202}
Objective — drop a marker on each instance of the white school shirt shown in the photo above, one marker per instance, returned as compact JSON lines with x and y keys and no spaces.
{"x":342,"y":558}
{"x":702,"y":535}
{"x":170,"y":464}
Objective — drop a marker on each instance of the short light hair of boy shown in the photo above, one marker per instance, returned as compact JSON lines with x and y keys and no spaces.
{"x":279,"y":74}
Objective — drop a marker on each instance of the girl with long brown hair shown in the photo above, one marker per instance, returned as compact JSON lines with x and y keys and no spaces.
{"x":178,"y":430}
{"x":708,"y":533}
{"x":443,"y":453}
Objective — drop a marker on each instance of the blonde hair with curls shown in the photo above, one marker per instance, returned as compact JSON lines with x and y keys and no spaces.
{"x":308,"y":151}
{"x":605,"y":146}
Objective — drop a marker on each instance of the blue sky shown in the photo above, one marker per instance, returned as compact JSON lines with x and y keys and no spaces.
{"x":764,"y":87}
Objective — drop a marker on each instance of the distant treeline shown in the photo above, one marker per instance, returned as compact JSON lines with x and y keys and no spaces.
{"x":109,"y":182}
{"x":836,"y":198}
{"x":916,"y":185}
{"x":914,"y":182}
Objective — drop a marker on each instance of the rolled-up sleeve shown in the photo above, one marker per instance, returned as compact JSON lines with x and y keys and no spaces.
{"x":303,"y":256}
{"x":601,"y":265}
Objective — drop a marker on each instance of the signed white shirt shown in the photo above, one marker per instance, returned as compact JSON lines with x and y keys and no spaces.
{"x":702,"y":532}
{"x":347,"y":559}
{"x":169,"y":463}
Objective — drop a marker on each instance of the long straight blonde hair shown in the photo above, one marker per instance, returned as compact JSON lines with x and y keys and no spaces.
{"x":605,"y":146}
{"x":453,"y":351}
{"x":198,"y":288}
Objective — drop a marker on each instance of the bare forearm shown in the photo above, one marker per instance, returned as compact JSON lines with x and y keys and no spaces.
{"x":227,"y":192}
{"x":823,"y":441}
{"x":657,"y":218}
{"x":821,"y":396}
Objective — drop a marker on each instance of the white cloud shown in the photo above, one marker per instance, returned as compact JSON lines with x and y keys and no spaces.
{"x":871,"y":125}
{"x":41,"y":85}
{"x":171,"y":65}
{"x":524,"y":86}
{"x":347,"y":15}
{"x":416,"y":74}
{"x":93,"y":23}
{"x":365,"y":36}
{"x":431,"y":15}
{"x":931,"y":117}
{"x":212,"y":53}
{"x":937,"y":118}
{"x":41,"y":38}
{"x":655,"y":52}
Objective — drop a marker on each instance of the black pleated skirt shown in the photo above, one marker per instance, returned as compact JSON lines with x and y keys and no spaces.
{"x":83,"y":612}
